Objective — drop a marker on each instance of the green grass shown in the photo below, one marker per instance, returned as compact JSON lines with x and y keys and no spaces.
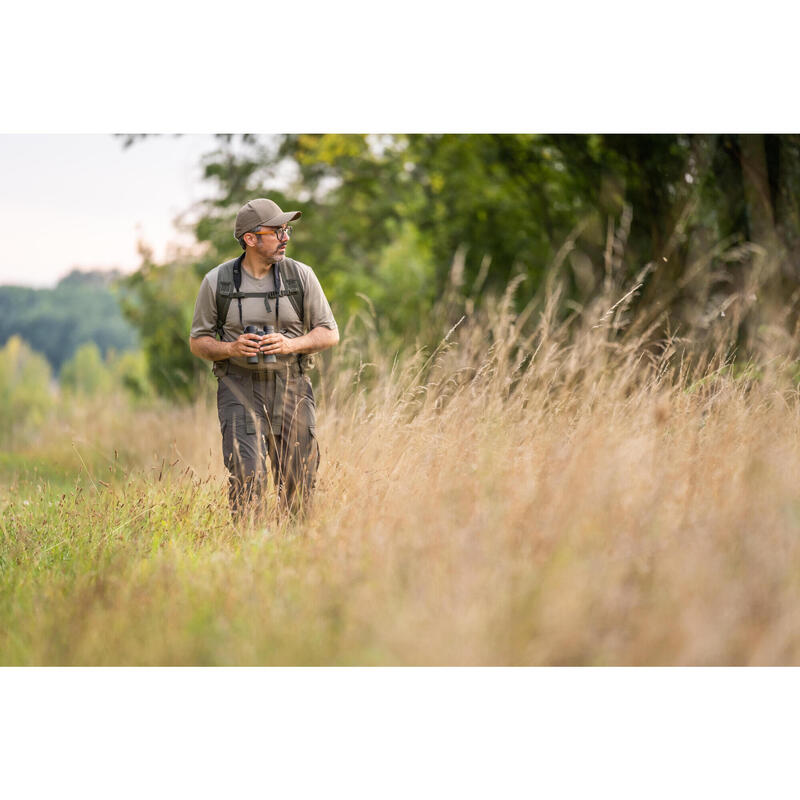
{"x":150,"y":570}
{"x":31,"y":474}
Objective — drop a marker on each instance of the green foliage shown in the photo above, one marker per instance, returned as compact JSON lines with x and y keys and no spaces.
{"x":56,"y":322}
{"x":129,"y":370}
{"x":507,"y":200}
{"x":403,"y":288}
{"x":85,"y":372}
{"x":159,"y":301}
{"x":25,"y":392}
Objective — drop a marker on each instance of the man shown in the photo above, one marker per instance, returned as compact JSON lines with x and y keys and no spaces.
{"x":266,"y":409}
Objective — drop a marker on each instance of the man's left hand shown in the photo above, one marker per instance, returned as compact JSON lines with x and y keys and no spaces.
{"x":276,"y":344}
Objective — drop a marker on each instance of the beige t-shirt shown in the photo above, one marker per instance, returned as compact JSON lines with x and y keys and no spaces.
{"x":316,"y":310}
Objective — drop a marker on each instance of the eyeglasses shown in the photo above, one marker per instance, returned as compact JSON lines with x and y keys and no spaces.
{"x":280,"y":233}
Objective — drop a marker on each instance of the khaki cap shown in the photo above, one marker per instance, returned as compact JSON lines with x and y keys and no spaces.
{"x":261,"y":212}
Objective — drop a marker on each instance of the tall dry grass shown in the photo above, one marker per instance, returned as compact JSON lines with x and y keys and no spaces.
{"x":537,"y":490}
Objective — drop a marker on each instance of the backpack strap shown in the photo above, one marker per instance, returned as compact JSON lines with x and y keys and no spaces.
{"x":293,"y":286}
{"x":229,"y":280}
{"x":289,"y":274}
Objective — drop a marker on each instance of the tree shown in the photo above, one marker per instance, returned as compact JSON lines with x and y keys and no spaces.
{"x":385,"y":215}
{"x":159,"y":301}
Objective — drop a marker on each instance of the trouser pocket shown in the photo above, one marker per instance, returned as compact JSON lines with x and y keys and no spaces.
{"x":243,"y":451}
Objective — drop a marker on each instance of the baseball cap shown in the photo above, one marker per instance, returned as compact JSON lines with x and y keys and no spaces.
{"x":262,"y":212}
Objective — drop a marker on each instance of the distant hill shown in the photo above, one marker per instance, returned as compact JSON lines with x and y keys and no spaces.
{"x":82,"y":308}
{"x":90,"y":277}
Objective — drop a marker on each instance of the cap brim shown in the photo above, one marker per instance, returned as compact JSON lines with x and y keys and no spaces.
{"x":282,"y":219}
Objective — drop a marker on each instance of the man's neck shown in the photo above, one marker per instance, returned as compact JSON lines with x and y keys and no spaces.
{"x":256,"y":266}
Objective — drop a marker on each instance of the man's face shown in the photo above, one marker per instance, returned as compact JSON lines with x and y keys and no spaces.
{"x":270,"y":243}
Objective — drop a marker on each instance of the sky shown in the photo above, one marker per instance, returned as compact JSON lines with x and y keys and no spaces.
{"x":82,"y":200}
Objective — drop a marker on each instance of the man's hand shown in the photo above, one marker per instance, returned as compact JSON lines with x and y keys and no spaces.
{"x":246,"y":345}
{"x":276,"y":344}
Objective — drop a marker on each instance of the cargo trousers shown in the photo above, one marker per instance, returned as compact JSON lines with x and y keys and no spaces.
{"x":267,"y":416}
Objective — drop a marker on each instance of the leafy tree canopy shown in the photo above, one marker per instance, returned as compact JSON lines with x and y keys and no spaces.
{"x":384,"y":215}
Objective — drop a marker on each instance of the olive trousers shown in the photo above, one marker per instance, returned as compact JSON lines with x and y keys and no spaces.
{"x":268,"y":416}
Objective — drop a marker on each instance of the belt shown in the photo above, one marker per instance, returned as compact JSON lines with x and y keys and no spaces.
{"x":290,"y":369}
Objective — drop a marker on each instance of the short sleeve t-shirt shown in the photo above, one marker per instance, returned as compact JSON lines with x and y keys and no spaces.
{"x":316,"y":310}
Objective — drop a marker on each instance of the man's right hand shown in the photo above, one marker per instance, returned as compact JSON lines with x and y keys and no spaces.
{"x":246,"y":345}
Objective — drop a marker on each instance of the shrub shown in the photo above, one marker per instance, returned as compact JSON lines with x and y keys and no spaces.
{"x":85,"y":373}
{"x":25,"y":390}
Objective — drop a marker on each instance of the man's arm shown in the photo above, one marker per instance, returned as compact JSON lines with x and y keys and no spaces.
{"x":247,"y":344}
{"x":202,"y":341}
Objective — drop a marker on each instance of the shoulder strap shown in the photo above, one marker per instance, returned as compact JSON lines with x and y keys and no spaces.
{"x":229,"y":280}
{"x":290,"y":275}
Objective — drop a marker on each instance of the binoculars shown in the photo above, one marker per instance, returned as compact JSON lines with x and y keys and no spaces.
{"x":267,"y":358}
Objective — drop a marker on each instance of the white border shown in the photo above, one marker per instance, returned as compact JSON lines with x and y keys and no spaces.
{"x":399,"y":733}
{"x":618,"y":66}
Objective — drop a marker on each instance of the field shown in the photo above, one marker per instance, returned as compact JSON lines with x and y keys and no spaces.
{"x":529,"y":493}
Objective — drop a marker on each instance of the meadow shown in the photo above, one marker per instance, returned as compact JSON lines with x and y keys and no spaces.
{"x":533,"y":491}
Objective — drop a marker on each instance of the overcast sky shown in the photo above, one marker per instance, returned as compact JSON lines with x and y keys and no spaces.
{"x":83,"y":201}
